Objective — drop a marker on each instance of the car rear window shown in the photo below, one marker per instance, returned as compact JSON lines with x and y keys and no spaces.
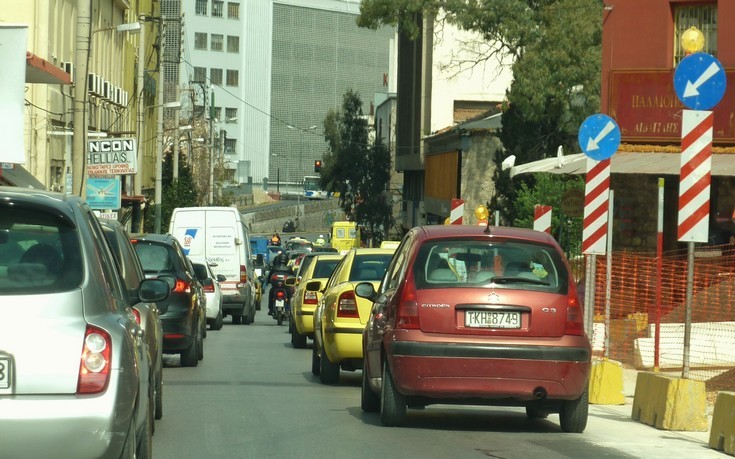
{"x":369,"y":267}
{"x":39,"y":253}
{"x":505,"y":264}
{"x":324,"y":268}
{"x":155,"y":257}
{"x":200,"y":271}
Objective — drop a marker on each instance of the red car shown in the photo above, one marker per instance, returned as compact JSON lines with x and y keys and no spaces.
{"x":468,"y":315}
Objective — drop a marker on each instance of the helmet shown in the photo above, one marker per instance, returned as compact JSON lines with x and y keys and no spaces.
{"x":321,"y":235}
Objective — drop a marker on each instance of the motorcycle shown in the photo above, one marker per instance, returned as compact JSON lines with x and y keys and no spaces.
{"x":280,"y":297}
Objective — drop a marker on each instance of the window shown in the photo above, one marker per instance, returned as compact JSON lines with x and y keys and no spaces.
{"x":703,"y":17}
{"x":200,"y":41}
{"x":230,"y":114}
{"x":217,"y":8}
{"x":233,"y":44}
{"x":233,"y":10}
{"x":218,"y":113}
{"x":217,"y":41}
{"x":232,"y":78}
{"x":200,"y":75}
{"x":230,"y":146}
{"x":215,"y":76}
{"x":201,"y":7}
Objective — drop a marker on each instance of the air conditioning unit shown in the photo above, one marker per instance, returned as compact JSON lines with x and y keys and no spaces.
{"x":68,"y":67}
{"x":124,"y":100}
{"x":113,"y":94}
{"x":118,"y":95}
{"x":106,"y":87}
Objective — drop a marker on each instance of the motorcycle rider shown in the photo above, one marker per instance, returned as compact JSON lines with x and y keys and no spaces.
{"x":320,"y":241}
{"x":280,"y":265}
{"x":275,"y":239}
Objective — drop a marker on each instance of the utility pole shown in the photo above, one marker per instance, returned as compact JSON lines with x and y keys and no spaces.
{"x":138,"y":187}
{"x":81,"y":55}
{"x":211,"y":149}
{"x":159,"y":137}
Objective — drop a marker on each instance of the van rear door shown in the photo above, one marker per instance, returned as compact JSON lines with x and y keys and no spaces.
{"x":189,"y":228}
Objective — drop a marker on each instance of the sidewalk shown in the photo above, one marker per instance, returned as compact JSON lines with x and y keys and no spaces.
{"x":613,"y":425}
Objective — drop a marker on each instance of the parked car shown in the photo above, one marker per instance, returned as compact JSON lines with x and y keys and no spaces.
{"x":75,"y":380}
{"x":341,"y":316}
{"x":146,"y":314}
{"x":469,"y":315}
{"x":314,"y":266}
{"x":183,"y":313}
{"x":212,"y":290}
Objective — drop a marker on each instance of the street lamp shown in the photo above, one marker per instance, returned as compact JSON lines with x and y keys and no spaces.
{"x":301,"y":145}
{"x":278,"y":173}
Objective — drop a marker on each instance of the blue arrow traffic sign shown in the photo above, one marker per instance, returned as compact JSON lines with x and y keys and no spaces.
{"x":700,"y":81}
{"x":599,"y":137}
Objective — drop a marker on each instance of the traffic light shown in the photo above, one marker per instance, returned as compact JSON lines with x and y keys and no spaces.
{"x":318,"y":165}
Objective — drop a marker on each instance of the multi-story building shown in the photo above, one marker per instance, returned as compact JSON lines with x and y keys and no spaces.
{"x":276,"y":67}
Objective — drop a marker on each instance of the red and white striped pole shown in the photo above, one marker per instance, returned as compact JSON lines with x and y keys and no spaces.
{"x":596,"y":195}
{"x":542,"y":218}
{"x":695,"y":175}
{"x":456,"y":212}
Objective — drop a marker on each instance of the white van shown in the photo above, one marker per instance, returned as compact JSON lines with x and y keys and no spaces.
{"x":218,"y":235}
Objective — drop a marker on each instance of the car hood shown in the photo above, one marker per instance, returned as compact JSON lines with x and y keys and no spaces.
{"x":43,"y":334}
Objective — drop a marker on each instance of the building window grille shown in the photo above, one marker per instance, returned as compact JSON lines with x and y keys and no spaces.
{"x":703,"y":17}
{"x":200,"y":41}
{"x":217,"y":113}
{"x":230,"y":145}
{"x":201,"y":7}
{"x":230,"y":114}
{"x":215,"y":76}
{"x":217,"y":42}
{"x":200,"y":75}
{"x":233,"y":10}
{"x":232,"y":78}
{"x":233,"y":44}
{"x":217,"y":8}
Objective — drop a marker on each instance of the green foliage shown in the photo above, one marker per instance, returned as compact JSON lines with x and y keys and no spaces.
{"x":174,"y":193}
{"x":355,"y":167}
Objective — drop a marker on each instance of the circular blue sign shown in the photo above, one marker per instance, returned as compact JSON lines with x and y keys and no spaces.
{"x":700,"y":81}
{"x":599,"y":137}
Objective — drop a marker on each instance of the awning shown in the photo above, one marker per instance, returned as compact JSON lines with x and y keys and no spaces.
{"x":39,"y":70}
{"x":623,"y":162}
{"x":17,"y":175}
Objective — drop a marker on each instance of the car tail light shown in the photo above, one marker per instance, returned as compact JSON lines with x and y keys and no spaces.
{"x":136,"y":313}
{"x":182,"y":286}
{"x":310,"y":298}
{"x":94,"y":368}
{"x":408,"y":310}
{"x":574,"y":324}
{"x":209,"y":288}
{"x":347,"y":305}
{"x":243,"y":274}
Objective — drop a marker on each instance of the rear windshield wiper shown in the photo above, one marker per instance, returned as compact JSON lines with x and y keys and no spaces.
{"x":517,"y":279}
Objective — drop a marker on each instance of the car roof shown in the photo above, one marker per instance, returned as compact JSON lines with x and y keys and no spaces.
{"x":165,"y":238}
{"x":445,"y":231}
{"x":62,"y":203}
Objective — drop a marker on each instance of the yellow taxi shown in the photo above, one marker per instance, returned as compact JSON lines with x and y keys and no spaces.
{"x":314,"y":266}
{"x":341,"y":315}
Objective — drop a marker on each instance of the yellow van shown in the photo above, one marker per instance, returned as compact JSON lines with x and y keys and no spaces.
{"x":345,"y":236}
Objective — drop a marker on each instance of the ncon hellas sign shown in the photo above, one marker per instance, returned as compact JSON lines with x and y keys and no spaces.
{"x":111,"y":157}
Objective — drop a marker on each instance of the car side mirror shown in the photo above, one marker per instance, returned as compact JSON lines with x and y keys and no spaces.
{"x":153,"y":290}
{"x":365,"y":290}
{"x":314,"y":286}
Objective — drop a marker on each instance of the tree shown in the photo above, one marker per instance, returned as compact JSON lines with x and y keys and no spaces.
{"x":174,"y":193}
{"x":354,"y":166}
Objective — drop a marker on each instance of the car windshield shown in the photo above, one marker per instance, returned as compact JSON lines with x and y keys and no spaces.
{"x":324,"y":268}
{"x":154,"y":257}
{"x":369,"y":267}
{"x":39,"y":253}
{"x":466,"y":263}
{"x":200,"y":271}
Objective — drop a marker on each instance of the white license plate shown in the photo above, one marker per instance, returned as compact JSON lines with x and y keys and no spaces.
{"x":492,"y":319}
{"x":279,"y":304}
{"x":5,"y":372}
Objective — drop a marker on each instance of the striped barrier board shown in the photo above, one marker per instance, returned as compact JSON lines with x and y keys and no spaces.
{"x":456,"y":212}
{"x":695,"y":175}
{"x":596,"y":199}
{"x":542,"y":218}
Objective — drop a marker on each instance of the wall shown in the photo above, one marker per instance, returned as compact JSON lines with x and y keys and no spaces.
{"x":313,"y":216}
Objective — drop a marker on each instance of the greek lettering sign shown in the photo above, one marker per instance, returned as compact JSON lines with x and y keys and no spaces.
{"x":111,"y":157}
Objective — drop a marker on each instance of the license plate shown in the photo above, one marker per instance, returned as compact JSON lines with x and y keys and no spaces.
{"x":279,"y":304}
{"x":492,"y":319}
{"x":5,"y":372}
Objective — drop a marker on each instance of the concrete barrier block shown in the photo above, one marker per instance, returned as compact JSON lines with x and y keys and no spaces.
{"x":722,"y":434}
{"x":670,"y":403}
{"x":606,"y":383}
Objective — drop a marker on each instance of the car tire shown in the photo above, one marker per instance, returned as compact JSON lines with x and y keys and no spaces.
{"x":251,"y":319}
{"x":159,"y":398}
{"x":369,"y":400}
{"x":236,"y":320}
{"x":189,"y":358}
{"x":297,"y":341}
{"x":328,"y":371}
{"x":218,"y":322}
{"x":573,"y":414}
{"x":315,"y":364}
{"x":200,"y":348}
{"x":392,"y":402}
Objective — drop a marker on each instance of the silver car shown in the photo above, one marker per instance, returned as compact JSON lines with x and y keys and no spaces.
{"x":75,"y":379}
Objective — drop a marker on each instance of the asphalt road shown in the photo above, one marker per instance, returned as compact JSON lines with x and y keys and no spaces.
{"x":254,"y":396}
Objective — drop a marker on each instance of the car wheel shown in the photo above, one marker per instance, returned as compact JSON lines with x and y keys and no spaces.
{"x":218,"y":321}
{"x":573,"y":414}
{"x":200,"y":348}
{"x":252,"y":316}
{"x":392,"y":402}
{"x":236,"y":320}
{"x":536,"y":412}
{"x":297,"y":341}
{"x":315,"y":364}
{"x":190,"y":358}
{"x":159,"y":398}
{"x":369,"y":400}
{"x":328,"y":371}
